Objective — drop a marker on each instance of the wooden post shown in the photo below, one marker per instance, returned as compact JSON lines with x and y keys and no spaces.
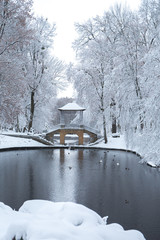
{"x":80,"y":134}
{"x":62,"y":137}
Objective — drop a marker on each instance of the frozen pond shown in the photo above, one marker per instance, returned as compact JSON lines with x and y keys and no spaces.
{"x":111,"y":183}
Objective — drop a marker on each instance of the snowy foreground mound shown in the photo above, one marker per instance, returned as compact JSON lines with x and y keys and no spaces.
{"x":38,"y":219}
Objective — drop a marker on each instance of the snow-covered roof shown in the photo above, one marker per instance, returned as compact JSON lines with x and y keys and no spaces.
{"x":71,"y":107}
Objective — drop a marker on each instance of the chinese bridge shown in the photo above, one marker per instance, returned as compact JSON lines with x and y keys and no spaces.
{"x":65,"y":128}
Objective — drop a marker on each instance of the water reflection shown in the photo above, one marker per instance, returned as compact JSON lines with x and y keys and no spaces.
{"x":111,"y":183}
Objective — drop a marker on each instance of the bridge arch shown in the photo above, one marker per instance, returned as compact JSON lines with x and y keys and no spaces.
{"x":64,"y":132}
{"x":78,"y":130}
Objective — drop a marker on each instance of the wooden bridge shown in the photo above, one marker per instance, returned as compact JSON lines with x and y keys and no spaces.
{"x":65,"y":128}
{"x":79,"y":130}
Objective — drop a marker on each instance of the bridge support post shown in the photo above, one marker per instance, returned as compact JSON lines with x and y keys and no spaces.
{"x":80,"y":135}
{"x":62,"y":137}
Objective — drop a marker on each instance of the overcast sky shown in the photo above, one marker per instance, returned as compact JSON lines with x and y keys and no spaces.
{"x":65,"y":12}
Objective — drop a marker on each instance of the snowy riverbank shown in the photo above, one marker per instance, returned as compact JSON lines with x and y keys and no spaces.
{"x":120,"y":143}
{"x":113,"y":143}
{"x":12,"y":141}
{"x":39,"y":219}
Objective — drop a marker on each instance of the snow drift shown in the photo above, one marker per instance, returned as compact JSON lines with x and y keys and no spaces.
{"x":39,"y":219}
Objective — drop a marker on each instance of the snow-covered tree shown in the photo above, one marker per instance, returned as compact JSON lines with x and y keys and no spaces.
{"x":14,"y":34}
{"x":93,"y":73}
{"x":118,"y":61}
{"x":148,"y":141}
{"x":29,"y":73}
{"x":42,"y":71}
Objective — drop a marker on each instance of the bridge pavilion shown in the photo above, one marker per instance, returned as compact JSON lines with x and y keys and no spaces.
{"x":70,"y":109}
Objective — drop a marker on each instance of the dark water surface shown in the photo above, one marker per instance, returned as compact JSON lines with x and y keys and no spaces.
{"x":111,"y":183}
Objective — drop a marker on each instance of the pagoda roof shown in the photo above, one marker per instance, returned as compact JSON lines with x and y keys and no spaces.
{"x":71,"y":107}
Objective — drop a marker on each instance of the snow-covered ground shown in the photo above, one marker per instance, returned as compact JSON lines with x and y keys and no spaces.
{"x":116,"y":142}
{"x":11,"y":141}
{"x":39,"y":219}
{"x":8,"y":141}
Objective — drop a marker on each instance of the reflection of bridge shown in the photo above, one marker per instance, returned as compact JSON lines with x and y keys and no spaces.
{"x":79,"y":130}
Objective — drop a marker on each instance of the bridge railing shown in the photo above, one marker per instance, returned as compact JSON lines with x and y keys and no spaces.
{"x":90,"y":129}
{"x":75,"y":126}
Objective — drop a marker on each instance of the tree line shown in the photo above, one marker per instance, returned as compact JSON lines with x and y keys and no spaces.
{"x":117,"y":73}
{"x":29,"y":73}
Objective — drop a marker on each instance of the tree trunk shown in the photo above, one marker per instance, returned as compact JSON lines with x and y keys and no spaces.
{"x":17,"y":125}
{"x":139,"y":95}
{"x":31,"y":111}
{"x":114,"y":127}
{"x":104,"y":128}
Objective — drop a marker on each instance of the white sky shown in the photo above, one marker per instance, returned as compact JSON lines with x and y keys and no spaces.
{"x":66,"y":12}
